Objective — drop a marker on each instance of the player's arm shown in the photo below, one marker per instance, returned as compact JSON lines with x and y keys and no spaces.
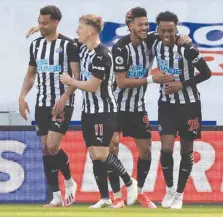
{"x":32,"y":30}
{"x":193,"y":55}
{"x":74,"y":61}
{"x":100,"y":66}
{"x":120,"y":60}
{"x":27,"y":84}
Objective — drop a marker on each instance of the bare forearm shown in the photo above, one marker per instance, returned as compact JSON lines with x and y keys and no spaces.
{"x":83,"y":85}
{"x":131,"y":82}
{"x":27,"y":85}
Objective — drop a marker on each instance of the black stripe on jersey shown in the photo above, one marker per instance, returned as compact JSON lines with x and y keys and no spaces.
{"x":181,"y":66}
{"x":127,"y":105}
{"x":43,"y":54}
{"x":52,"y":85}
{"x":83,"y":52}
{"x":61,"y":62}
{"x":120,"y":96}
{"x":163,"y":58}
{"x":191,"y":74}
{"x":95,"y":102}
{"x":171,"y":64}
{"x":104,"y":93}
{"x":36,"y":48}
{"x":143,"y":56}
{"x":87,"y":102}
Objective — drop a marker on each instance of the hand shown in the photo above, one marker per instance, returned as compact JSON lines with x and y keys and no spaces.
{"x":128,"y":17}
{"x":59,"y":106}
{"x":184,"y":39}
{"x":162,"y":78}
{"x":173,"y":87}
{"x":65,"y":78}
{"x":32,"y":30}
{"x":23,"y":107}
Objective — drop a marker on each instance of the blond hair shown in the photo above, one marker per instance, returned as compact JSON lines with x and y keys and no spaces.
{"x":93,"y":20}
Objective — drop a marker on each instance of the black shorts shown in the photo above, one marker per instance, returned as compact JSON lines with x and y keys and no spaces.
{"x":98,"y":129}
{"x":184,"y":118}
{"x":134,"y":124}
{"x":45,"y":121}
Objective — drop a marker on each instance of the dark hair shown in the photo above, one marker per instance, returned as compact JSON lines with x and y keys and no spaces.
{"x":167,"y":16}
{"x":53,"y":11}
{"x":136,"y":12}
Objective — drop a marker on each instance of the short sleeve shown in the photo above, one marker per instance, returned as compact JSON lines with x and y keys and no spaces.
{"x":120,"y":59}
{"x":32,"y":61}
{"x":100,"y":65}
{"x":73,"y":52}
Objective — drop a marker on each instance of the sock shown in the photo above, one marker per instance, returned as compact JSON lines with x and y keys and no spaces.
{"x":100,"y":175}
{"x":113,"y":162}
{"x":69,"y":182}
{"x":186,"y":165}
{"x":143,"y":167}
{"x":140,"y":191}
{"x":63,"y":164}
{"x":118,"y":195}
{"x":51,"y":172}
{"x":166,"y":161}
{"x":114,"y":180}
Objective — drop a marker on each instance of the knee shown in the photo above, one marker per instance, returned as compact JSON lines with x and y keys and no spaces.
{"x":53,"y":148}
{"x":45,"y":151}
{"x":114,"y":145}
{"x":167,"y":150}
{"x":145,"y":153}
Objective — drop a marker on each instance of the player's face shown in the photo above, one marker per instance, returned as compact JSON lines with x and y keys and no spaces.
{"x":83,"y":32}
{"x":140,"y":27}
{"x":167,"y":31}
{"x":47,"y":25}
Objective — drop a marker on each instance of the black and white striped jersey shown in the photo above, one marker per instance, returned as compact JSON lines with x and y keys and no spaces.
{"x":52,"y":58}
{"x":98,"y":63}
{"x":136,"y":61}
{"x":179,"y":61}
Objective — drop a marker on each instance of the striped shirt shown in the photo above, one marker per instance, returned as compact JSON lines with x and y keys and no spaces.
{"x":136,"y":61}
{"x":179,"y":61}
{"x":52,"y":58}
{"x":98,"y":63}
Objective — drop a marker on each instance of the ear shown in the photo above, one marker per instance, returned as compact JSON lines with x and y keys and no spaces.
{"x":90,"y":30}
{"x":131,"y":25}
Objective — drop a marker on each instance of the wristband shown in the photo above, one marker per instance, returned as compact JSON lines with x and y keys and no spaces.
{"x":149,"y":79}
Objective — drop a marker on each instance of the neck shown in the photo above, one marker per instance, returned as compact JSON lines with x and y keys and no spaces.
{"x":52,"y":36}
{"x":93,"y":42}
{"x":135,"y":40}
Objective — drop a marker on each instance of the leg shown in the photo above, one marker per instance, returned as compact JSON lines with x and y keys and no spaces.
{"x":113,"y":175}
{"x":58,"y":127}
{"x":98,"y":142}
{"x":168,"y":127}
{"x":189,"y":130}
{"x":42,"y":118}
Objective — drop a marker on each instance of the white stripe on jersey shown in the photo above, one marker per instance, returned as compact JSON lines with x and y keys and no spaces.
{"x":48,"y":89}
{"x":39,"y":52}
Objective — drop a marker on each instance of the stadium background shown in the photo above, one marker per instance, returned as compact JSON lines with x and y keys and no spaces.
{"x":21,"y":170}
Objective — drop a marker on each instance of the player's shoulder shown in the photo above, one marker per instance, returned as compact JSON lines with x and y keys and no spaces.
{"x":190,"y":48}
{"x":122,"y":42}
{"x":102,"y":53}
{"x":37,"y":39}
{"x":63,"y":37}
